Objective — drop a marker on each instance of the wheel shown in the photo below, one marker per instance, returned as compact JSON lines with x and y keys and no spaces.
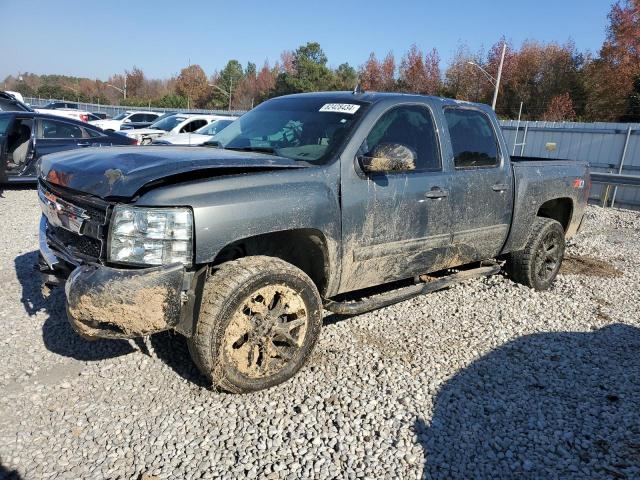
{"x":259,"y":319}
{"x":537,"y":265}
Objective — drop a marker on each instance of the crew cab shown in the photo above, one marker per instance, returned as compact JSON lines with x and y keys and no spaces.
{"x":303,"y":204}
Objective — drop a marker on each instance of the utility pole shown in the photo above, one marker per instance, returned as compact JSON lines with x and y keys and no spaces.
{"x":495,"y":93}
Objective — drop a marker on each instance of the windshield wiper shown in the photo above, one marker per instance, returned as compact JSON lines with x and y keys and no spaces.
{"x":253,"y":149}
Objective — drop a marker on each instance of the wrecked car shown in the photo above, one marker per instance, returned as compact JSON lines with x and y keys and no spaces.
{"x":335,"y":201}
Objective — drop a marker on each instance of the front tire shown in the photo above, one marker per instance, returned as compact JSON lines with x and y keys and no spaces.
{"x":259,"y":319}
{"x":537,"y":265}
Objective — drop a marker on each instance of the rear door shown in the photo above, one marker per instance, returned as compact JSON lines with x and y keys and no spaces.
{"x":482,"y":185}
{"x":57,"y":135}
{"x":396,"y":224}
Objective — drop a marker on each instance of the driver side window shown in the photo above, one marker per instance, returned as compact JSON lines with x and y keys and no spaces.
{"x":408,"y":133}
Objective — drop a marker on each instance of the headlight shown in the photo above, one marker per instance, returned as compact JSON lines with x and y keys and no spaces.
{"x":151,"y":236}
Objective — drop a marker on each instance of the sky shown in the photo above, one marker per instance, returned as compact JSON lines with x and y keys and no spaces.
{"x":95,"y":39}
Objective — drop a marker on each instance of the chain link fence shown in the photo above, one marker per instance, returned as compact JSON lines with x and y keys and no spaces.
{"x":113,"y":110}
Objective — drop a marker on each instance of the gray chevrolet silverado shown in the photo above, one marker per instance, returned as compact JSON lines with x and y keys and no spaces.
{"x":339,"y":201}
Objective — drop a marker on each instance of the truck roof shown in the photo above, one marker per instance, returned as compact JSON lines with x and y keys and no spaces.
{"x":374,"y":97}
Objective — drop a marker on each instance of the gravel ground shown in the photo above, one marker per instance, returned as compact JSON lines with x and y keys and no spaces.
{"x":485,"y":380}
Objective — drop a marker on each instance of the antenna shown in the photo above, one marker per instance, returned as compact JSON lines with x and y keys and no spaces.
{"x":358,"y":88}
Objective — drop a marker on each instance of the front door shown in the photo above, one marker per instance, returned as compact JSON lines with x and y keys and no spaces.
{"x":19,"y":148}
{"x":395,"y":223}
{"x":482,"y":185}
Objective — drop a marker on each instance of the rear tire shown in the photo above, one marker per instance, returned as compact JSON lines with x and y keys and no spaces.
{"x":538,"y":263}
{"x":258,"y":323}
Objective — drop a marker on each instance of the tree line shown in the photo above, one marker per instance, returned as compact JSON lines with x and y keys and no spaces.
{"x":552,"y":81}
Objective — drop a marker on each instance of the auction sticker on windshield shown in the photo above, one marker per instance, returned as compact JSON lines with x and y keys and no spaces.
{"x":349,"y":108}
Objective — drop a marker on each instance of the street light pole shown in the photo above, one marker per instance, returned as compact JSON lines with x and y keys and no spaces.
{"x":494,"y":81}
{"x":229,"y":93}
{"x":123,"y":91}
{"x":495,"y":93}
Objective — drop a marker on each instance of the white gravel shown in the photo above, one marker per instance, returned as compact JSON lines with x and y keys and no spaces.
{"x":485,"y":380}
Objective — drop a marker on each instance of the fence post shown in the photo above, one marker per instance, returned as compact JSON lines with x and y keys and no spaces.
{"x":524,"y":138}
{"x":624,"y":154}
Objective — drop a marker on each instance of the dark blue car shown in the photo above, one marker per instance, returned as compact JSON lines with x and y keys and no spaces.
{"x":27,"y":136}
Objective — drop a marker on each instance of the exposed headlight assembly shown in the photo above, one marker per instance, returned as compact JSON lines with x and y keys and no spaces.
{"x":151,"y":236}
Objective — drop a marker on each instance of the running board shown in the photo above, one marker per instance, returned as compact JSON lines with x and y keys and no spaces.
{"x":405,"y":293}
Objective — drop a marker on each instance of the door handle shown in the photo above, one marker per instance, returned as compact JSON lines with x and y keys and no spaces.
{"x":500,"y":187}
{"x":436,"y":192}
{"x":83,"y":144}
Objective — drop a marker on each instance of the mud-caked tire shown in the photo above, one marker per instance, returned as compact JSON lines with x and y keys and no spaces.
{"x":538,"y":263}
{"x":259,"y":320}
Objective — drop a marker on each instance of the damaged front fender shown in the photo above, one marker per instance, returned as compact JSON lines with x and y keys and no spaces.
{"x":104,"y":302}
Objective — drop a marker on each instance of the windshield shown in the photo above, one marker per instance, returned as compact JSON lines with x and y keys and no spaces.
{"x":121,"y":116}
{"x":214,"y":127}
{"x":300,"y":128}
{"x":167,"y":123}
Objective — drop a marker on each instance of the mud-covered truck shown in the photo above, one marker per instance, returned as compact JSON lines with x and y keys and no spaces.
{"x":335,"y":201}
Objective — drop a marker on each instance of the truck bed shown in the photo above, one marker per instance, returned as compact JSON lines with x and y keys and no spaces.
{"x":539,"y":180}
{"x":521,"y":159}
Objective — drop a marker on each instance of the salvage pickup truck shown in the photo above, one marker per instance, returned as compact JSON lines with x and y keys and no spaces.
{"x":335,"y":201}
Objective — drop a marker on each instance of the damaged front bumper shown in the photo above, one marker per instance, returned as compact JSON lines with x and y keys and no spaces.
{"x":114,"y":303}
{"x":106,"y":302}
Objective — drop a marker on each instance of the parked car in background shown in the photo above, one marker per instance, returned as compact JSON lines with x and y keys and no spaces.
{"x":198,"y":137}
{"x":72,"y":113}
{"x":16,"y":95}
{"x":100,"y":115}
{"x":178,"y":123}
{"x":27,"y":136}
{"x":137,"y":125}
{"x":130,"y":116}
{"x":59,"y":105}
{"x":10,"y":103}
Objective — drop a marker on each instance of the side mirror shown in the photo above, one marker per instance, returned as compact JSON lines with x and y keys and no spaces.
{"x":388,"y":157}
{"x":126,"y":120}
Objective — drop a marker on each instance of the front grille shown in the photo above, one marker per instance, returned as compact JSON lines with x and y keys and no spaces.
{"x":88,"y":244}
{"x":79,"y":246}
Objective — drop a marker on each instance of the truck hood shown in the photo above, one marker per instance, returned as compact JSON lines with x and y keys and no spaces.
{"x":120,"y":172}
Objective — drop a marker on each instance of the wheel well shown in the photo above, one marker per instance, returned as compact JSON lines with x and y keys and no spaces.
{"x":304,"y":248}
{"x":559,"y":209}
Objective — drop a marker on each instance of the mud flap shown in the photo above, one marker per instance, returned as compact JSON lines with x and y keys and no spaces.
{"x":104,"y":302}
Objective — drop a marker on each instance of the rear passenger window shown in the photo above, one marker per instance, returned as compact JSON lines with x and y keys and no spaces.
{"x":54,"y":129}
{"x":93,"y":133}
{"x":473,"y":140}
